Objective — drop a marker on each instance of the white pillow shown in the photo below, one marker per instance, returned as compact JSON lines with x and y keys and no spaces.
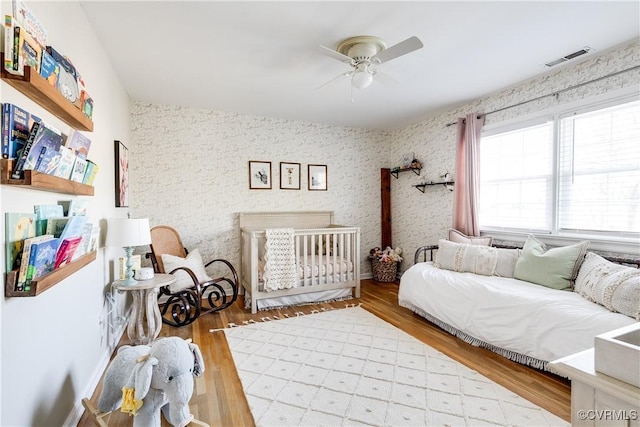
{"x":478,"y":259}
{"x":458,"y":237}
{"x":193,"y":261}
{"x":615,"y":286}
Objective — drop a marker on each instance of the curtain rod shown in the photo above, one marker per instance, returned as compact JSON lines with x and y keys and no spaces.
{"x":556,"y":93}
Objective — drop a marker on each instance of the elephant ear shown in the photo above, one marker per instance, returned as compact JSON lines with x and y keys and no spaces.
{"x":143,"y":374}
{"x":198,"y":361}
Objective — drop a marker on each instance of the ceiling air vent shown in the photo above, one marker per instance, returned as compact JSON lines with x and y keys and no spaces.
{"x":568,"y":57}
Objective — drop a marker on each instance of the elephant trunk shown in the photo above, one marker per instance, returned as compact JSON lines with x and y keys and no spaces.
{"x":177,"y":396}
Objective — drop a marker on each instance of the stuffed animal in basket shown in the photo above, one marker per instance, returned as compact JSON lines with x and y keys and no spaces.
{"x":145,"y":380}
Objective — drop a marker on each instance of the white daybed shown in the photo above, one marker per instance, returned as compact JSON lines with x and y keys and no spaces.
{"x":327,"y":258}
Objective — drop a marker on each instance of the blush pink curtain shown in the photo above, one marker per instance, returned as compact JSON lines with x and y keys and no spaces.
{"x":467,"y":177}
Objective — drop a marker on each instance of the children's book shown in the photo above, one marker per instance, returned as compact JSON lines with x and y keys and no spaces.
{"x":49,"y":69}
{"x":56,"y":225}
{"x":29,"y":52}
{"x":79,"y":143}
{"x":79,"y":169}
{"x":46,"y":136}
{"x":48,"y":160}
{"x":65,"y":164}
{"x":43,"y":213}
{"x":24,"y":263}
{"x":74,"y":227}
{"x":18,"y":167}
{"x":17,"y":228}
{"x":30,"y":22}
{"x":92,"y":172}
{"x":16,"y":123}
{"x":42,"y":260}
{"x":66,"y":250}
{"x":78,"y":207}
{"x":11,"y":46}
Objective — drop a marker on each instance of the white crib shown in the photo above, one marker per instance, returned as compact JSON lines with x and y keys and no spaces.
{"x":332,"y":273}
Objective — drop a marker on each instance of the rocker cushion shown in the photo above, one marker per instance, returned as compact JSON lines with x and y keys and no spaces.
{"x":193,"y":261}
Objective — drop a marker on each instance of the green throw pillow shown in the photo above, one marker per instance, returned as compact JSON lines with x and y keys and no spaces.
{"x":555,"y":268}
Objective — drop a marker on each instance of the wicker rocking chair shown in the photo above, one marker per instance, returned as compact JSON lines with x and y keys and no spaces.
{"x":181,"y":307}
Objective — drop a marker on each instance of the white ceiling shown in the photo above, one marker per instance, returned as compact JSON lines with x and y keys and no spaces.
{"x":263,"y":58}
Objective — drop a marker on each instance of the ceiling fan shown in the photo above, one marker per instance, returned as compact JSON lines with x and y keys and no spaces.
{"x":364,"y":53}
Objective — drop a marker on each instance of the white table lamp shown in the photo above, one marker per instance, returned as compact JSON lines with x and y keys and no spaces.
{"x":128,"y":233}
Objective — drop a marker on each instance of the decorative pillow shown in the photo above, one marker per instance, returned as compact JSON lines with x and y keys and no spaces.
{"x":612,"y":285}
{"x":484,"y":260}
{"x":555,"y":268}
{"x":458,"y":237}
{"x":193,"y":261}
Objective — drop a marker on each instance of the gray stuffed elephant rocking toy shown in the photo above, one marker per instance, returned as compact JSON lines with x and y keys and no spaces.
{"x":145,"y":380}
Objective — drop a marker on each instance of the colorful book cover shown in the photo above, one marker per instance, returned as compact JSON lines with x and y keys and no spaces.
{"x":16,"y":124}
{"x":24,"y":263}
{"x":11,"y":46}
{"x":66,"y":250}
{"x":17,"y":228}
{"x":65,"y":164}
{"x":48,"y":160}
{"x":90,"y":176}
{"x":79,"y":169}
{"x":30,"y":22}
{"x":29,"y":52}
{"x":56,"y":225}
{"x":47,"y":136}
{"x":78,"y":143}
{"x":74,"y":227}
{"x":18,"y":167}
{"x":83,"y":247}
{"x":49,"y":69}
{"x":42,"y":260}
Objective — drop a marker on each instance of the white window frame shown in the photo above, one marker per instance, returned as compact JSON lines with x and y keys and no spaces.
{"x":629,"y":243}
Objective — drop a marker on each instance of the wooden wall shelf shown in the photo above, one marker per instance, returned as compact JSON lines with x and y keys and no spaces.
{"x":42,"y":181}
{"x":39,"y":90}
{"x":446,"y":184}
{"x":47,"y":281}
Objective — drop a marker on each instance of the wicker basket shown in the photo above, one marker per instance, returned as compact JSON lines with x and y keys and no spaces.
{"x":384,"y":271}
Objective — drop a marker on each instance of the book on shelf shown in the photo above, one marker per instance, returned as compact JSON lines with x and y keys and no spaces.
{"x":46,"y":136}
{"x":18,"y":167}
{"x":24,"y":263}
{"x":29,"y":51}
{"x":48,"y":160}
{"x":92,"y":172}
{"x":83,"y":247}
{"x":49,"y":69}
{"x":79,"y":169}
{"x":94,"y":241}
{"x":43,"y":213}
{"x":79,"y":143}
{"x":65,"y":251}
{"x":11,"y":46}
{"x":29,"y":22}
{"x":73,"y":227}
{"x":67,"y":76}
{"x":17,"y":228}
{"x":136,"y":260}
{"x":56,"y":225}
{"x":78,"y":207}
{"x":16,"y":124}
{"x":42,"y":260}
{"x":65,"y":164}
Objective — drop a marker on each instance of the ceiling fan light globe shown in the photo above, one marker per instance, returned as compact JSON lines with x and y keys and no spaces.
{"x":361,"y":79}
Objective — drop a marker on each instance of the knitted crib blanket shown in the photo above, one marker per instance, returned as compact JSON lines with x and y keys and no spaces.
{"x":280,"y":261}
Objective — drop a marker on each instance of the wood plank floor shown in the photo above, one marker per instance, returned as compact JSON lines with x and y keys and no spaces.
{"x":218,"y":398}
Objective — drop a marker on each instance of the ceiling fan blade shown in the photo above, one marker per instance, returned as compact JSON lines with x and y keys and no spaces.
{"x":402,"y":48}
{"x":347,"y":74}
{"x":337,"y":55}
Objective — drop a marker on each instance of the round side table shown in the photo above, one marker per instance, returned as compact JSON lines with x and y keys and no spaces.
{"x":145,"y":322}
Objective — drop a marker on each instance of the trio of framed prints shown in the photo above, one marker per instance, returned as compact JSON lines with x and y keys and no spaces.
{"x":260,"y":176}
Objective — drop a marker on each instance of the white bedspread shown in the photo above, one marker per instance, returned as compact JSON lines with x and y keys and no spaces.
{"x":514,"y":315}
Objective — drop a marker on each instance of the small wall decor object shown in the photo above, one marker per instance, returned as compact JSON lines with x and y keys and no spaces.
{"x":407,"y":160}
{"x":317,"y":179}
{"x":259,"y":175}
{"x":122,"y":175}
{"x":289,"y":176}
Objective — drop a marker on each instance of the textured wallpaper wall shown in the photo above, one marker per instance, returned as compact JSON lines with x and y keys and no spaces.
{"x":421,"y":219}
{"x":189,"y":170}
{"x":190,"y":167}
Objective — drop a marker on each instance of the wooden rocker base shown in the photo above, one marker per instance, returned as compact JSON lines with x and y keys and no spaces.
{"x":99,"y":417}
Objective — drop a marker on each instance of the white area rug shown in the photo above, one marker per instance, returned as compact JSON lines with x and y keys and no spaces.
{"x":349,"y":367}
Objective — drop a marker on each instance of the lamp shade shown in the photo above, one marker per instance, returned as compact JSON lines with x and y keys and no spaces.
{"x":125,"y":232}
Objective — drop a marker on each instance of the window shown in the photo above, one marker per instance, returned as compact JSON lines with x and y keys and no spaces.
{"x":577,"y":172}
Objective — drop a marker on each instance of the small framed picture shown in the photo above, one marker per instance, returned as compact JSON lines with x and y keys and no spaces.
{"x":259,"y":175}
{"x":317,"y":178}
{"x":122,"y":174}
{"x":407,"y":159}
{"x":289,"y":176}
